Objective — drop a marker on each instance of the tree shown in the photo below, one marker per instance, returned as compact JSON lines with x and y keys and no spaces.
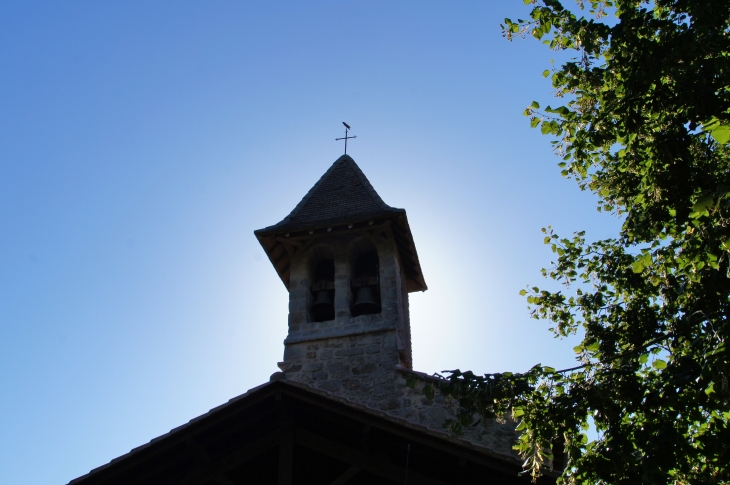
{"x":644,"y":124}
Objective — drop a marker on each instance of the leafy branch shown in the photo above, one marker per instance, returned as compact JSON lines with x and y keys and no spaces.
{"x":645,"y":126}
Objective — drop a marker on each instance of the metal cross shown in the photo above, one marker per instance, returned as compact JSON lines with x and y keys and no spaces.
{"x":346,"y":137}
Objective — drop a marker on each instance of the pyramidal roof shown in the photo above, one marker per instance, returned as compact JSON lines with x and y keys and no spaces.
{"x":343,"y":194}
{"x":342,"y":199}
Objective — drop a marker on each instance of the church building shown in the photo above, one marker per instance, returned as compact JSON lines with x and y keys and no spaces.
{"x":344,"y":408}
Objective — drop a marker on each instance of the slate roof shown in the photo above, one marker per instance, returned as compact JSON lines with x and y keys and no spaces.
{"x":342,"y":197}
{"x":343,"y":194}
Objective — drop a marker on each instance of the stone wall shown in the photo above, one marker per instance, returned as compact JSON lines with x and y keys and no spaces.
{"x":360,"y":367}
{"x":343,"y":250}
{"x":363,"y":358}
{"x":364,"y":369}
{"x":497,"y":435}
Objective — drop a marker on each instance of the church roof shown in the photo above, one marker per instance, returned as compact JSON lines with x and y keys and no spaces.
{"x":342,"y":194}
{"x":286,"y":428}
{"x":342,"y":199}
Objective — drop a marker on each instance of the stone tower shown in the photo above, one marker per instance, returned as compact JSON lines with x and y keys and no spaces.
{"x":347,"y":406}
{"x":348,"y":261}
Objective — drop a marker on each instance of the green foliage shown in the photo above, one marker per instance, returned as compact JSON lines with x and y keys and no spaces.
{"x":428,"y":391}
{"x":644,"y":124}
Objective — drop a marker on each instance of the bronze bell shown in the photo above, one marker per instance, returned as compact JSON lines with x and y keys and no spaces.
{"x":323,"y":309}
{"x":365,"y":302}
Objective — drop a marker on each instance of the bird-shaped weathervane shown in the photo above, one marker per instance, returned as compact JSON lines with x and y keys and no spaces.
{"x":346,"y":137}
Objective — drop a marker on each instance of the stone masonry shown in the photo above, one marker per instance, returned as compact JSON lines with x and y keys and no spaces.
{"x":365,"y":359}
{"x":348,"y":354}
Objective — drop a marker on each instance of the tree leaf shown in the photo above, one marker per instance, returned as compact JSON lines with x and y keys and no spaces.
{"x":428,"y":391}
{"x":719,"y":131}
{"x":703,"y":203}
{"x":593,"y":346}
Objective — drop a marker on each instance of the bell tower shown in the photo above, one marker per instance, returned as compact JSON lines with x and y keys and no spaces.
{"x":348,"y":261}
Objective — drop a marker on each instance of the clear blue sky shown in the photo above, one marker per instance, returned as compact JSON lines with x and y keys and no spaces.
{"x":141,"y":143}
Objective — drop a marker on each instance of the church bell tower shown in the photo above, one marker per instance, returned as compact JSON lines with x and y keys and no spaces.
{"x":348,"y":261}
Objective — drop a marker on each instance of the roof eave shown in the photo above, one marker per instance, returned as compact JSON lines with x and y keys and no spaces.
{"x":334,"y":403}
{"x":272,"y":240}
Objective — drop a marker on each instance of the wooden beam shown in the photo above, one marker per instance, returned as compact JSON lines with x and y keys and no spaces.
{"x":378,"y":465}
{"x":283,"y":258}
{"x":199,"y":451}
{"x":277,"y":250}
{"x":149,"y":457}
{"x":304,"y":246}
{"x":286,"y":457}
{"x":289,"y":249}
{"x":375,"y":232}
{"x":346,"y":476}
{"x":381,"y":229}
{"x":223,"y":480}
{"x":213,"y":469}
{"x":367,"y":438}
{"x":446,"y":446}
{"x":286,"y":444}
{"x":460,"y":470}
{"x":288,"y":241}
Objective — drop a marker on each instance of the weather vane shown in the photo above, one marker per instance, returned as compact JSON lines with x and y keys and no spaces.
{"x":346,"y":137}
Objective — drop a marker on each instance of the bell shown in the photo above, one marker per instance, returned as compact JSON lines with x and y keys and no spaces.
{"x":323,"y":309}
{"x":365,"y":302}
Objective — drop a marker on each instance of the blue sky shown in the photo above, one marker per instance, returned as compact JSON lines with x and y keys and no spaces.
{"x":141,"y":143}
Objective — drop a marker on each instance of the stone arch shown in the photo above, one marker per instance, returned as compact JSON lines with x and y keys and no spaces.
{"x":364,"y":265}
{"x":321,"y":276}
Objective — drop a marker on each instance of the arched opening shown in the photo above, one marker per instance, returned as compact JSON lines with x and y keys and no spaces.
{"x":323,"y":291}
{"x":365,"y":283}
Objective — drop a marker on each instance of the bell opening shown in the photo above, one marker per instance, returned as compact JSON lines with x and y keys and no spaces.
{"x":323,"y":292}
{"x":366,"y":285}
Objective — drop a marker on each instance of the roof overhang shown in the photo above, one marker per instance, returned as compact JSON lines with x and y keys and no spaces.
{"x":281,"y":246}
{"x":247,"y":427}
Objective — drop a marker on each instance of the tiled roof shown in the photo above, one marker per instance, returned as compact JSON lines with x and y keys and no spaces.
{"x":480,"y":445}
{"x":343,"y":194}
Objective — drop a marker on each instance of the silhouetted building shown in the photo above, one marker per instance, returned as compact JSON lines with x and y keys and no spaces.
{"x":340,"y":411}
